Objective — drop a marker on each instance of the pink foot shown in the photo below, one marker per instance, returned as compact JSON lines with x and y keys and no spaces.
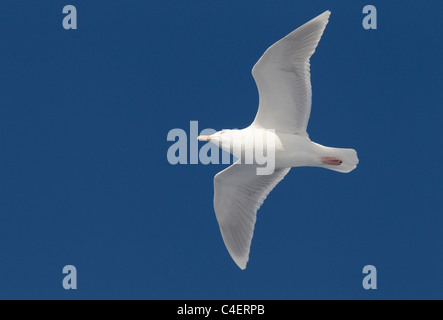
{"x":331,"y":160}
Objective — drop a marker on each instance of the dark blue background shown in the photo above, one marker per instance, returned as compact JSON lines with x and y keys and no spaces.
{"x":84,"y":177}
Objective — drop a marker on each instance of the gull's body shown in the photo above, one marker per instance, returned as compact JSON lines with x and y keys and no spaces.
{"x":283,"y":79}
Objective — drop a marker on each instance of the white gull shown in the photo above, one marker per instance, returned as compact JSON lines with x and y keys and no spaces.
{"x":283,"y":79}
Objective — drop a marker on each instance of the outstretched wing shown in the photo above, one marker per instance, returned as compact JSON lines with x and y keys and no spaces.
{"x":239,"y":193}
{"x":283,"y":79}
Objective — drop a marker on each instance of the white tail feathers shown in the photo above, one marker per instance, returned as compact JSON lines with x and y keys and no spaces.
{"x":348,"y":158}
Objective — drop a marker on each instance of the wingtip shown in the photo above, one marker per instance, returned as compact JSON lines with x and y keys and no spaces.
{"x":242,"y":266}
{"x":322,"y":17}
{"x":326,"y":14}
{"x":240,"y":262}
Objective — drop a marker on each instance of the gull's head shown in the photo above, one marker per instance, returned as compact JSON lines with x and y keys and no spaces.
{"x":219,"y":137}
{"x":225,"y":139}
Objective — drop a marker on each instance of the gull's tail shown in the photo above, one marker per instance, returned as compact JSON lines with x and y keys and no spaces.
{"x":339,"y":159}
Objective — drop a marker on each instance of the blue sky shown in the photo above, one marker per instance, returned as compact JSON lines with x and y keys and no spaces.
{"x":84,"y":177}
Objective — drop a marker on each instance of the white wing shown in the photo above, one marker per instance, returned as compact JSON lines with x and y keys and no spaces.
{"x":239,"y":193}
{"x":283,"y":79}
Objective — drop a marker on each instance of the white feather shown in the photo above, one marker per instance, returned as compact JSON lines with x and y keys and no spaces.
{"x":283,"y":79}
{"x":239,"y":193}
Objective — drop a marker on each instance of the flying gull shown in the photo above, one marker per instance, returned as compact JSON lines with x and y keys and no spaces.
{"x":283,"y":79}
